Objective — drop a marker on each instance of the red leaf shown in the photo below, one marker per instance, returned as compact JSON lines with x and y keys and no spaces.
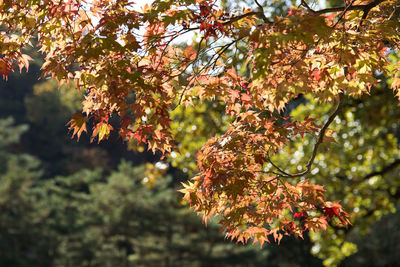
{"x":331,"y":211}
{"x":300,"y":215}
{"x":5,"y":68}
{"x":316,"y":74}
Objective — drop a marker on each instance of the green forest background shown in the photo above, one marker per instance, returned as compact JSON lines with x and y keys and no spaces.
{"x":70,"y":203}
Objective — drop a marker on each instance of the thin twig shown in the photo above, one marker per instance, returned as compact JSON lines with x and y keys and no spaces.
{"x":276,"y":167}
{"x":355,"y":7}
{"x":304,"y":3}
{"x":343,"y":13}
{"x":262,"y":13}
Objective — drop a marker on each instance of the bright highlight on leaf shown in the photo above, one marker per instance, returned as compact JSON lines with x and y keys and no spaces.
{"x":78,"y":124}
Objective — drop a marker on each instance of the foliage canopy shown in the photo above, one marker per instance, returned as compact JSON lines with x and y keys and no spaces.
{"x":129,"y":65}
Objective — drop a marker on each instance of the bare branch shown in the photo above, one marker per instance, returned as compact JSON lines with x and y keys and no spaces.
{"x":262,"y":13}
{"x":384,"y":170}
{"x":277,"y":167}
{"x":344,"y":13}
{"x":355,"y":7}
{"x":304,"y":3}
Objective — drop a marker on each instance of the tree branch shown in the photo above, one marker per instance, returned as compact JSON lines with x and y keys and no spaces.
{"x":365,"y":8}
{"x":384,"y":170}
{"x":277,"y":167}
{"x":319,"y":141}
{"x":343,"y":13}
{"x":262,"y":13}
{"x":305,"y":4}
{"x":366,"y":11}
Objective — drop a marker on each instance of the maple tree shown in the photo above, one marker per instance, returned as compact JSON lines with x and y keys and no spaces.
{"x":128,"y":64}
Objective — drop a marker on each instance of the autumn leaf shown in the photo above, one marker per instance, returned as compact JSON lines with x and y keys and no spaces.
{"x":78,"y":124}
{"x":102,"y":131}
{"x":300,"y":215}
{"x":24,"y":62}
{"x":5,"y":68}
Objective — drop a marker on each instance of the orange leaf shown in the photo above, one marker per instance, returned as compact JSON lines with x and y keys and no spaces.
{"x":78,"y":124}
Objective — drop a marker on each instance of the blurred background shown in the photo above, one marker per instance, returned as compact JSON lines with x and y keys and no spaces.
{"x":70,"y":203}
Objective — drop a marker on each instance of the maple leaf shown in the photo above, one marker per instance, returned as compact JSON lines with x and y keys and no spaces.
{"x":234,"y":94}
{"x":189,"y":53}
{"x":5,"y":68}
{"x":396,"y":85}
{"x":300,"y":215}
{"x":316,"y":74}
{"x":78,"y":124}
{"x":328,"y":138}
{"x":102,"y":130}
{"x":204,"y":10}
{"x":331,"y":211}
{"x":24,"y":62}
